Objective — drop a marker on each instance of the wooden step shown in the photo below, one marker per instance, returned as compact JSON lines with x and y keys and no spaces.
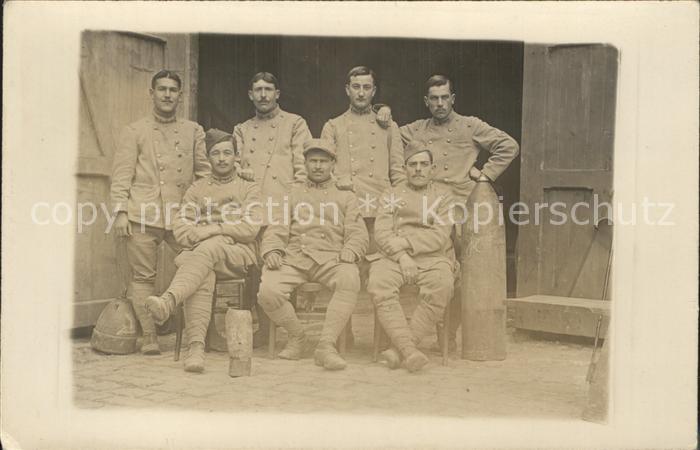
{"x":560,"y":315}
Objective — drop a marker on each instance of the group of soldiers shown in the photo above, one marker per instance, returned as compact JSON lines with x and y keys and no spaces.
{"x":354,"y":198}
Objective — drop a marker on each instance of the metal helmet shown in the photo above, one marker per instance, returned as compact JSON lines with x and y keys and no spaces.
{"x":116,"y":329}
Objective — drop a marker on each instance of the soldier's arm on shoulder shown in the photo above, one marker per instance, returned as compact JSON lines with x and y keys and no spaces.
{"x":300,"y":134}
{"x":502,"y":147}
{"x":123,"y":168}
{"x":407,"y":132}
{"x":355,"y":236}
{"x":202,"y":168}
{"x":397,"y":172}
{"x":186,"y":217}
{"x":244,"y":227}
{"x":329,"y":131}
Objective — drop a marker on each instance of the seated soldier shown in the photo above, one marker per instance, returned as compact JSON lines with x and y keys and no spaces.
{"x":217,"y":224}
{"x":321,"y":238}
{"x":412,"y":231}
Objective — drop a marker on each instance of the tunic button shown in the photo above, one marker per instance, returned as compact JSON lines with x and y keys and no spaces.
{"x":430,"y":142}
{"x":252,"y":150}
{"x":268,"y":165}
{"x":274,"y":177}
{"x":354,"y":173}
{"x":179,"y":169}
{"x":323,"y":235}
{"x":271,"y":139}
{"x":162,"y":168}
{"x":349,"y":132}
{"x":449,"y":140}
{"x":373,"y":133}
{"x":450,"y":130}
{"x":370,"y":175}
{"x":445,"y":167}
{"x":444,"y":153}
{"x":176,"y":142}
{"x":350,"y":145}
{"x":273,"y":125}
{"x":253,"y":138}
{"x":303,"y":234}
{"x":371,"y":159}
{"x":162,"y":183}
{"x":374,"y":146}
{"x":158,"y":155}
{"x":209,"y":183}
{"x":446,"y":180}
{"x":352,"y":159}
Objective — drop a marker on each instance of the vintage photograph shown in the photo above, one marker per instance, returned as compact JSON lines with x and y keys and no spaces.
{"x":349,"y":225}
{"x":460,"y":266}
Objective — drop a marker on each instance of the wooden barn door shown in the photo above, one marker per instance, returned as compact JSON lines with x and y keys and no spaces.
{"x":115,"y":73}
{"x":569,"y":94}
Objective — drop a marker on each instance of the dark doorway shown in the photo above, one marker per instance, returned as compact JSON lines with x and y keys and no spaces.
{"x":487,"y":76}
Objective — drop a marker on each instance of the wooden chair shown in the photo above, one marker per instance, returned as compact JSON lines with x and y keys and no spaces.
{"x":305,"y":305}
{"x":442,"y":329}
{"x":228,"y":293}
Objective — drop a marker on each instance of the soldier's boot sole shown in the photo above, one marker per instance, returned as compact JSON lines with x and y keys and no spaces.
{"x":159,"y":308}
{"x":194,"y":362}
{"x":415,"y":361}
{"x":294,"y":349}
{"x":391,"y":357}
{"x":328,"y":358}
{"x":150,"y":345}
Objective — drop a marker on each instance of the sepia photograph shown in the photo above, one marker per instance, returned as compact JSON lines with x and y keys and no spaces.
{"x":267,"y":227}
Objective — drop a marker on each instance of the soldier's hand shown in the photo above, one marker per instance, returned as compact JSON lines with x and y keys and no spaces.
{"x":397,"y":244}
{"x":247,"y":174}
{"x":409,"y":269}
{"x":384,"y":117}
{"x":345,"y":184}
{"x":273,"y":260}
{"x":477,"y":175}
{"x":122,"y":226}
{"x":347,"y":256}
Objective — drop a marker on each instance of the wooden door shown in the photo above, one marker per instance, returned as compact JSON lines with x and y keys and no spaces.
{"x":115,"y":73}
{"x":569,"y":94}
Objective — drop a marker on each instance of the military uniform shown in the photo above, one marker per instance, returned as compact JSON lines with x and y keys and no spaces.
{"x":420,"y":216}
{"x":155,"y":161}
{"x":455,"y":145}
{"x":235,"y":205}
{"x":271,"y":145}
{"x":368,"y":156}
{"x":326,"y":222}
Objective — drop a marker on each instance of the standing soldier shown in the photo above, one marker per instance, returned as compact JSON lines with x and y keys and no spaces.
{"x":455,"y":142}
{"x":413,"y":234}
{"x":155,"y":161}
{"x":370,"y":158}
{"x":270,"y":145}
{"x":217,"y":224}
{"x":321,"y":239}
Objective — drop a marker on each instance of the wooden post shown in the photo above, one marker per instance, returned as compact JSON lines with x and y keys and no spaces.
{"x":239,"y":339}
{"x":483,"y":278}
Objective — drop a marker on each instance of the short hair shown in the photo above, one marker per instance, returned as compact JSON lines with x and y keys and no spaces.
{"x":438,"y":80}
{"x":265,"y":76}
{"x":166,"y":74}
{"x":361,"y":70}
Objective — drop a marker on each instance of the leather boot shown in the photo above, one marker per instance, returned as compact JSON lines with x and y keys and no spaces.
{"x":285,"y":317}
{"x":150,"y":344}
{"x":194,"y":361}
{"x":160,"y":308}
{"x":391,"y":357}
{"x":415,"y":360}
{"x":327,"y":357}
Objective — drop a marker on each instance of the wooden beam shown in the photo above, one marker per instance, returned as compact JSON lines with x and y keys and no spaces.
{"x":559,"y":315}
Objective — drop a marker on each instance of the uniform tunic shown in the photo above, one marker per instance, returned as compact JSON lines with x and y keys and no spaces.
{"x":367,"y":155}
{"x":455,"y":145}
{"x":155,"y":162}
{"x":321,"y":222}
{"x":271,"y":145}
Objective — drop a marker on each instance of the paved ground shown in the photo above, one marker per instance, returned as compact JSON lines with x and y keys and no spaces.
{"x":539,"y":378}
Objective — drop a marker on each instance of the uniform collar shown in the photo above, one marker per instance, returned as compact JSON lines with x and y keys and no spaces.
{"x":325,"y":185}
{"x":226,"y":180}
{"x":355,"y":112}
{"x":160,"y":119}
{"x":450,"y":118}
{"x":267,"y":116}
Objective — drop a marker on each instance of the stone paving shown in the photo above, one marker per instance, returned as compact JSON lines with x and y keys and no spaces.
{"x":539,"y":378}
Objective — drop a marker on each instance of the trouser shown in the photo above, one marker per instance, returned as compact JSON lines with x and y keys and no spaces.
{"x":436,"y":286}
{"x":142,"y":254}
{"x":195,"y":278}
{"x":277,"y":285}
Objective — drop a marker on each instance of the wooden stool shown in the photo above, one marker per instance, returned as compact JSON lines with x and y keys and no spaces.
{"x":305,"y":295}
{"x":228,"y":293}
{"x":442,"y":330}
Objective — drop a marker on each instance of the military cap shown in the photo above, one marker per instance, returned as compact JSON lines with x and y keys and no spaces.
{"x":320,"y":144}
{"x":415,"y":147}
{"x":214,"y":136}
